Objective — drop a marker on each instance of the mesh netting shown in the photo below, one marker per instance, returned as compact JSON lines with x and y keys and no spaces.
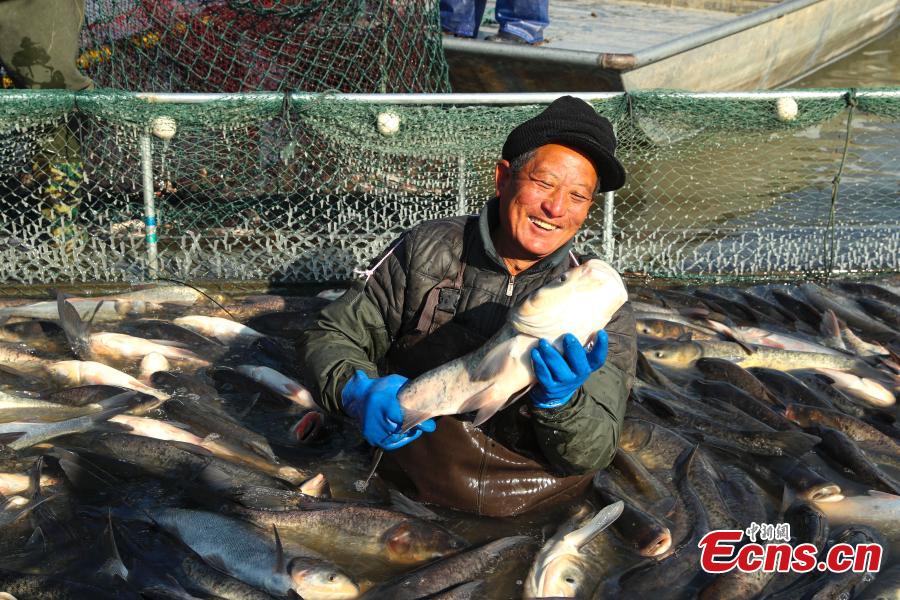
{"x":308,"y":188}
{"x":273,"y":45}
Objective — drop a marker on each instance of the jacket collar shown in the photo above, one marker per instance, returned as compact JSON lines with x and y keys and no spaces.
{"x":489,"y":219}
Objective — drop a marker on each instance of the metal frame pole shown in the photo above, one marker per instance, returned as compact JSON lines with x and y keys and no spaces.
{"x":461,"y":208}
{"x":609,"y":205}
{"x":149,"y":207}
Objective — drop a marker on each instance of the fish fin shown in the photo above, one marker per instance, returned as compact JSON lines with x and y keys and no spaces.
{"x":695,"y":312}
{"x":81,"y":472}
{"x":603,"y":519}
{"x":114,"y":567}
{"x":216,"y":562}
{"x":253,"y":400}
{"x":215,"y":479}
{"x":34,"y":478}
{"x":125,"y":400}
{"x":279,"y":551}
{"x":494,"y":362}
{"x":37,"y":540}
{"x":407,"y":506}
{"x":76,"y":330}
{"x":9,"y":438}
{"x":485,"y":412}
{"x":788,"y":497}
{"x":191,"y":448}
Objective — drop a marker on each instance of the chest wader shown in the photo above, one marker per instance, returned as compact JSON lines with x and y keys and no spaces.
{"x":458,"y":465}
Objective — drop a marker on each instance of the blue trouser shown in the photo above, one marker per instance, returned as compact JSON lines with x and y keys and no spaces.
{"x":524,"y":18}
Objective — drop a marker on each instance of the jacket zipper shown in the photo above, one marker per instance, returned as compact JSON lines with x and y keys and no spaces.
{"x":510,"y":285}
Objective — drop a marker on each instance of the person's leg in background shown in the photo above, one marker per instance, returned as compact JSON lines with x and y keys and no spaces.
{"x":39,"y":43}
{"x":462,"y":17}
{"x":522,"y":20}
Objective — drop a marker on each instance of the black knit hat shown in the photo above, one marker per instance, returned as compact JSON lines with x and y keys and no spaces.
{"x":571,"y":122}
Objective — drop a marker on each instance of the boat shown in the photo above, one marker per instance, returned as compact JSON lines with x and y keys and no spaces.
{"x":692,"y":45}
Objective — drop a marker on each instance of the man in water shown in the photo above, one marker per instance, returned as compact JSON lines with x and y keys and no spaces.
{"x":444,"y":288}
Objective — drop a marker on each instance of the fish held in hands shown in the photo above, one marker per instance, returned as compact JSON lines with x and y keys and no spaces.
{"x":580,"y":302}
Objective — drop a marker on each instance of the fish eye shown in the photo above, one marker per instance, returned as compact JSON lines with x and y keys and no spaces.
{"x":331,"y":577}
{"x":563,"y":277}
{"x":570,"y":580}
{"x":659,"y":354}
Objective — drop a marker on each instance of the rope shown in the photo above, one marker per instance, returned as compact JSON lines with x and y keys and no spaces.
{"x":831,"y":234}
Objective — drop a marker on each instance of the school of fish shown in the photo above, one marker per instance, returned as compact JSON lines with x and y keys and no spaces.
{"x":159,"y":443}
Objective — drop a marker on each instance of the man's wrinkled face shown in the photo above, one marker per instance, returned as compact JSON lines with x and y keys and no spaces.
{"x":544,"y":205}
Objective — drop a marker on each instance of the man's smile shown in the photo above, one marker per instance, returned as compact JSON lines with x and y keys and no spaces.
{"x":543,"y":224}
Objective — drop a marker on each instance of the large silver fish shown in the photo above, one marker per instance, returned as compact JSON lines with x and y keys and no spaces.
{"x":581,"y":301}
{"x":113,"y":307}
{"x":557,"y":569}
{"x":115,"y":349}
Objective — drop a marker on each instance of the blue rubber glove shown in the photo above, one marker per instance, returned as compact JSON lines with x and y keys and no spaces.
{"x":558,"y":376}
{"x":373,"y":403}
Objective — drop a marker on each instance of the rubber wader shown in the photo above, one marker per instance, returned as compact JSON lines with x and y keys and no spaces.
{"x":458,"y":465}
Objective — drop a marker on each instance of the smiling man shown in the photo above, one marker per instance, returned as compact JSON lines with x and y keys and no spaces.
{"x":443,"y":289}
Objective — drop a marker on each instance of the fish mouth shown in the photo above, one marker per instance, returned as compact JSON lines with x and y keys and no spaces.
{"x":316,"y":486}
{"x":543,"y":225}
{"x":658,"y":546}
{"x":307,"y":428}
{"x":829,"y":492}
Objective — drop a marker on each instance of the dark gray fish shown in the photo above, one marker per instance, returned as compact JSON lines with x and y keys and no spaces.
{"x":799,"y":308}
{"x":27,"y":586}
{"x":773,"y":311}
{"x":775,"y":472}
{"x":85,"y":394}
{"x":198,"y":404}
{"x":861,"y":289}
{"x":642,"y":531}
{"x":169,"y":459}
{"x":885,"y":587}
{"x":821,"y":384}
{"x":825,"y":299}
{"x":156,"y":551}
{"x":746,"y":501}
{"x":849,"y":584}
{"x":808,"y":526}
{"x":788,"y":389}
{"x":722,"y":391}
{"x":166,"y":330}
{"x":735,"y":309}
{"x":670,"y":576}
{"x":395,"y":537}
{"x":860,"y":432}
{"x":471,"y":590}
{"x":719,"y":369}
{"x":248,"y":554}
{"x":631,"y":474}
{"x":765,"y":443}
{"x":889,"y":313}
{"x":843,"y":452}
{"x":481,"y":562}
